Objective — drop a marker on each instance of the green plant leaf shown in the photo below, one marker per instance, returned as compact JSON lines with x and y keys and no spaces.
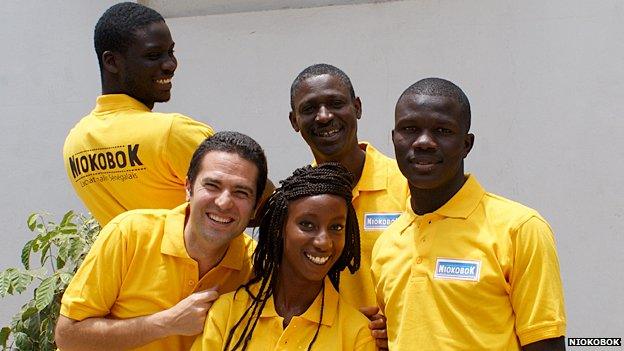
{"x":65,"y":277}
{"x":60,"y":262}
{"x":26,"y":253}
{"x":67,"y":218}
{"x":23,"y":342}
{"x":5,"y":281}
{"x":68,"y":229}
{"x":45,"y":292}
{"x":76,"y":248}
{"x":4,"y":336}
{"x":32,"y":221}
{"x":20,"y":281}
{"x":28,"y":313}
{"x":44,"y":252}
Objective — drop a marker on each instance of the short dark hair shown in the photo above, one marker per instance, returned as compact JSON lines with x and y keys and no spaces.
{"x":318,"y":70}
{"x":233,"y":142}
{"x":441,"y":87}
{"x":327,"y":178}
{"x":114,"y":31}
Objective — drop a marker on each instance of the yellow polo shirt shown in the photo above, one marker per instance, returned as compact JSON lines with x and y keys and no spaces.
{"x":122,"y":156}
{"x":342,"y":327}
{"x":479,"y":273}
{"x":379,"y":198}
{"x":139,"y":266}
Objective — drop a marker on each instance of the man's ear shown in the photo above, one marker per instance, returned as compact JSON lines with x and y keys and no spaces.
{"x":293,"y":121}
{"x":358,"y":107}
{"x":187,"y":185}
{"x":111,"y":61}
{"x":468,"y":143}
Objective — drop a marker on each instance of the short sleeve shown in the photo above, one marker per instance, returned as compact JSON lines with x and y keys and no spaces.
{"x":95,"y":286}
{"x":536,"y":288}
{"x":184,"y":137}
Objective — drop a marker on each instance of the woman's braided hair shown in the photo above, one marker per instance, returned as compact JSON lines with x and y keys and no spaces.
{"x":327,"y":178}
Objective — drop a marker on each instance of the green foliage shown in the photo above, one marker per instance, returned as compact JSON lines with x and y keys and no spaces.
{"x":61,"y":248}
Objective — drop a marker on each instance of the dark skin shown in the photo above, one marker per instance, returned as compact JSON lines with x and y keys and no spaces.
{"x":554,"y":344}
{"x":431,"y":141}
{"x":145,"y":69}
{"x":315,"y":226}
{"x":144,"y":72}
{"x":326,"y":116}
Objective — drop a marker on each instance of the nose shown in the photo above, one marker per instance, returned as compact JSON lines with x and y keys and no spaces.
{"x":324,"y":115}
{"x":224,"y":200}
{"x":323,"y":241}
{"x":425,"y":141}
{"x":170,"y":64}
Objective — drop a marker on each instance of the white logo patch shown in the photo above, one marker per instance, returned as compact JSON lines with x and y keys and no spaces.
{"x":377,"y":221}
{"x":448,"y":268}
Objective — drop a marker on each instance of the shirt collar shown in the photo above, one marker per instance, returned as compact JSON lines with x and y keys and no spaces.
{"x":374,"y":175}
{"x":115,"y":102}
{"x":461,"y":205}
{"x":173,"y":237}
{"x":465,"y":201}
{"x":173,"y":240}
{"x":234,"y":257}
{"x":312,"y":314}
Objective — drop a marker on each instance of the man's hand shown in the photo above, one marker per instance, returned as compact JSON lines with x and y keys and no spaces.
{"x":100,"y":333}
{"x":377,"y":326}
{"x":188,"y":316}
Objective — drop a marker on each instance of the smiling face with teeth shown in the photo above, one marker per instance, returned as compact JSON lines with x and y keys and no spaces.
{"x":326,"y":115}
{"x":221,"y":201}
{"x":314,"y":236}
{"x":431,"y":141}
{"x":145,"y":70}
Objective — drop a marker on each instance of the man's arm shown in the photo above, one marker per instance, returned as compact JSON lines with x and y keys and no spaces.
{"x":185,"y":318}
{"x":536,"y":290}
{"x":554,"y":344}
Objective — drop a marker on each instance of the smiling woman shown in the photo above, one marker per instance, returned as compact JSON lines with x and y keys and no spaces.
{"x":308,"y":235}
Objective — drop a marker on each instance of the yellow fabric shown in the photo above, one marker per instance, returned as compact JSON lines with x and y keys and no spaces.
{"x":516,"y":298}
{"x":122,"y":156}
{"x":139,"y":266}
{"x":381,"y":191}
{"x":342,"y":327}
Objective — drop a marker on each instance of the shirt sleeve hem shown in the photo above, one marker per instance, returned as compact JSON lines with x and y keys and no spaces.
{"x":542,"y":333}
{"x":78,"y":314}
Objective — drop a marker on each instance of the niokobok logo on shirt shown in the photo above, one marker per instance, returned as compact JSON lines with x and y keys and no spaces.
{"x":448,"y":268}
{"x":377,"y":221}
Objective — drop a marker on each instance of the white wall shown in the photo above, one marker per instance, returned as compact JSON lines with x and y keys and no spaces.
{"x":545,"y":80}
{"x":49,"y":78}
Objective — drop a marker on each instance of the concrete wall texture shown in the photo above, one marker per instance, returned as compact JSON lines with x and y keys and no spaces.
{"x":545,"y":80}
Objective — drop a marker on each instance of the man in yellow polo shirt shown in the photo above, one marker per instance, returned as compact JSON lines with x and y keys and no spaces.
{"x":461,"y":269}
{"x":325,"y":110}
{"x":152,"y":274}
{"x":123,"y":156}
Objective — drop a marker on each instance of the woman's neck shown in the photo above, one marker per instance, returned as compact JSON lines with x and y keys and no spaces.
{"x":293,"y":298}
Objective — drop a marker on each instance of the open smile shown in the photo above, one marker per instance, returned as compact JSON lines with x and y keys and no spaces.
{"x":219,"y":219}
{"x":327,"y":132}
{"x":164,"y":81}
{"x":317,"y":260}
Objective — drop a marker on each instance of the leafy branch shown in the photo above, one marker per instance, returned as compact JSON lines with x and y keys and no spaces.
{"x":63,"y":246}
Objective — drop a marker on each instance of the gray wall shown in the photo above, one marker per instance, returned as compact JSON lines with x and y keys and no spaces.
{"x":545,"y":80}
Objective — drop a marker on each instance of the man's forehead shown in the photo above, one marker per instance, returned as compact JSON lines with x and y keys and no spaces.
{"x":147,"y":35}
{"x":322,"y":83}
{"x":428,"y":102}
{"x":226,"y":161}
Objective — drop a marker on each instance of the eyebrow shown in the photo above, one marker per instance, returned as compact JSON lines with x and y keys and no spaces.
{"x":208,"y":179}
